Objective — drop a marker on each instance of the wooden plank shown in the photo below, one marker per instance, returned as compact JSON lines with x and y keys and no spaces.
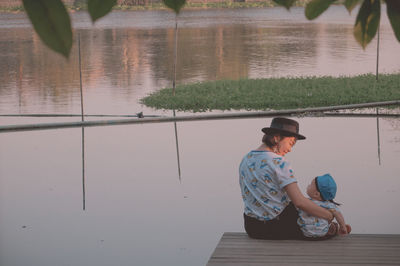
{"x":355,"y":249}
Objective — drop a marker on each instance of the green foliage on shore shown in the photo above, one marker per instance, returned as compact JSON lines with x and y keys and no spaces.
{"x":12,"y":9}
{"x":161,"y":6}
{"x":276,"y":93}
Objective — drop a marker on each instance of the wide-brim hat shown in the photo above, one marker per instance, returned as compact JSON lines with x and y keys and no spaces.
{"x":284,"y":126}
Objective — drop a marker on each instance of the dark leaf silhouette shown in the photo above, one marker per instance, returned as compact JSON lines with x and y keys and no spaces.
{"x":100,"y":8}
{"x":285,"y":3}
{"x":51,"y":22}
{"x":393,"y":12}
{"x":316,"y":8}
{"x":367,"y":22}
{"x":175,"y":5}
{"x":351,"y":4}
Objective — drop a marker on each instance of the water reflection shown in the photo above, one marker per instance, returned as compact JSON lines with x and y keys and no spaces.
{"x":122,"y":64}
{"x":137,"y":212}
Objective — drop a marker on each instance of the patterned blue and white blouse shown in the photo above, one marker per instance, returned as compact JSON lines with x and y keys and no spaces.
{"x":262,"y":177}
{"x":312,"y":226}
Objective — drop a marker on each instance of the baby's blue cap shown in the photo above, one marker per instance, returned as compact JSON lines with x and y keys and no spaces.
{"x":326,"y":186}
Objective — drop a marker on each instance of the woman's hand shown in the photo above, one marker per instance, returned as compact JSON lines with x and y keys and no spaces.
{"x":344,"y":228}
{"x":305,"y":204}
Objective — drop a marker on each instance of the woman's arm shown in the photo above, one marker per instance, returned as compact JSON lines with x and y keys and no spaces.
{"x":340,"y":219}
{"x":305,"y":204}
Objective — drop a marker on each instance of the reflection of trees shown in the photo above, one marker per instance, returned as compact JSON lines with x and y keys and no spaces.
{"x":126,"y":58}
{"x":203,"y":53}
{"x":27,"y":68}
{"x":339,"y":39}
{"x":227,"y":52}
{"x":274,"y":48}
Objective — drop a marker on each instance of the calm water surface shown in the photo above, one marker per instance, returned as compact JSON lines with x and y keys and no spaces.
{"x":137,"y":210}
{"x":127,"y":55}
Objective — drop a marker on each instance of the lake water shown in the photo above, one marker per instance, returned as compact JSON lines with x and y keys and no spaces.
{"x":137,"y":210}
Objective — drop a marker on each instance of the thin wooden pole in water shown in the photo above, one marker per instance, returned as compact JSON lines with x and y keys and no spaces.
{"x":377,"y":79}
{"x":83,"y":128}
{"x":175,"y":54}
{"x":173,"y":93}
{"x":377,"y":54}
{"x":80,"y":76}
{"x":162,"y":116}
{"x":379,"y":141}
{"x":75,"y":115}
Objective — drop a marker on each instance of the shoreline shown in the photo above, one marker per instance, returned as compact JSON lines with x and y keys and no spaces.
{"x":160,"y":6}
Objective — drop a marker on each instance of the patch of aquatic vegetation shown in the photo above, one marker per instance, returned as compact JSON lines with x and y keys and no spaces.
{"x":276,"y":93}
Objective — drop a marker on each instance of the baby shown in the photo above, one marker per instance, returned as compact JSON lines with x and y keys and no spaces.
{"x":322,"y":191}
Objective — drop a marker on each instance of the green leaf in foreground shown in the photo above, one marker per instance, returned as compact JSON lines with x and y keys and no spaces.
{"x":316,"y":8}
{"x":100,"y":8}
{"x":276,"y":93}
{"x":367,"y":22}
{"x":285,"y":3}
{"x":51,"y":22}
{"x":350,"y":4}
{"x":175,"y":5}
{"x":393,"y":12}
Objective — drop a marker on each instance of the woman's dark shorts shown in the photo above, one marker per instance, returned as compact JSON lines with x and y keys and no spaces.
{"x":283,"y":226}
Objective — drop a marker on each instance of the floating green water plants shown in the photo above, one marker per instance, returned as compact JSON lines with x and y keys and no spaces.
{"x":276,"y":93}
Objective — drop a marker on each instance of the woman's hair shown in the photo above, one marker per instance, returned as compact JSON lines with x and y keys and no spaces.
{"x":269,"y":139}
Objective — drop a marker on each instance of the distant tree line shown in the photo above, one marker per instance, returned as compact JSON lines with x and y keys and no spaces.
{"x":16,"y":3}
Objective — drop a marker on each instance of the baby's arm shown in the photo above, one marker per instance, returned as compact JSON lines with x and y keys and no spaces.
{"x":340,"y":219}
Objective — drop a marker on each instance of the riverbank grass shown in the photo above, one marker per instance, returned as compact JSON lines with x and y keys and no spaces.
{"x":160,"y":6}
{"x":276,"y":93}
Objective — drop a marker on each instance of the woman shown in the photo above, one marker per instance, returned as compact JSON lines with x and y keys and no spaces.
{"x":269,"y":187}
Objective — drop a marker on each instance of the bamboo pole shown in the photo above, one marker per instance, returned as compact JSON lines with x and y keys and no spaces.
{"x":378,"y":137}
{"x":173,"y":93}
{"x":73,"y":115}
{"x":313,"y":114}
{"x":377,"y":54}
{"x":80,"y":76}
{"x":175,"y":54}
{"x":377,"y":110}
{"x":83,"y":128}
{"x":358,"y":115}
{"x":242,"y":115}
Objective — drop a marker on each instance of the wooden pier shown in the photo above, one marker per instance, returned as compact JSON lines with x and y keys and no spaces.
{"x":354,"y":249}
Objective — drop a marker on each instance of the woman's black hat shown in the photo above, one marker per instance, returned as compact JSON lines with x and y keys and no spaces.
{"x":284,"y":126}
